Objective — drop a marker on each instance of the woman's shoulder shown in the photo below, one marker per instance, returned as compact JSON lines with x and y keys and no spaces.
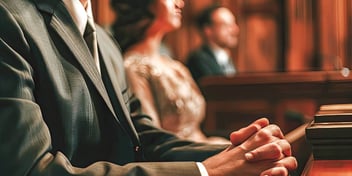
{"x":139,"y":64}
{"x":133,"y":59}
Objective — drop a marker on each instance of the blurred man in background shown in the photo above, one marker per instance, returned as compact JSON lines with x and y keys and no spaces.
{"x":220,"y":32}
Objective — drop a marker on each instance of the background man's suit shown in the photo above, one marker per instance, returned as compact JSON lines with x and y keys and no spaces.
{"x":202,"y":62}
{"x":56,"y":113}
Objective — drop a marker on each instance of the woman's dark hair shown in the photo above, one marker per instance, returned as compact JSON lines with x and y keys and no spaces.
{"x":133,"y":17}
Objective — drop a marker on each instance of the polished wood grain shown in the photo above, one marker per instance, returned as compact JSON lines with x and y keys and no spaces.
{"x":328,"y":168}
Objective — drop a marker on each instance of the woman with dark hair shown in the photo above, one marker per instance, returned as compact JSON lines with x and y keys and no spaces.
{"x":165,"y":86}
{"x":134,"y":18}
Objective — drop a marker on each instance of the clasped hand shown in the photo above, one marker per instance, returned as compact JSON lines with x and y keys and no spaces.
{"x":258,"y":149}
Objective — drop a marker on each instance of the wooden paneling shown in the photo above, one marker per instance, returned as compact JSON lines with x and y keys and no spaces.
{"x":319,"y":35}
{"x":276,"y":35}
{"x":261,"y":39}
{"x":300,"y":37}
{"x":333,"y":34}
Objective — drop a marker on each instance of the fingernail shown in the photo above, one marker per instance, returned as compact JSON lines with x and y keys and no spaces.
{"x":249,"y":156}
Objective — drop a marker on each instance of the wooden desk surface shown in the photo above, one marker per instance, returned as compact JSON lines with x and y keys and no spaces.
{"x":328,"y":168}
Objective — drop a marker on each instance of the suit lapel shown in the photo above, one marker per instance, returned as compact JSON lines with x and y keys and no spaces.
{"x":62,"y":23}
{"x":208,"y":50}
{"x":115,"y":73}
{"x":212,"y":59}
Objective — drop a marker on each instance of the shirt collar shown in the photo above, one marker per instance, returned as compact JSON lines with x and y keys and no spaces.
{"x":221,"y":56}
{"x":78,"y":13}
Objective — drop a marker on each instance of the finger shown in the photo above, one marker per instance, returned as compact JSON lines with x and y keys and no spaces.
{"x":282,"y":167}
{"x":276,"y":171}
{"x":268,"y":134}
{"x":290,"y":163}
{"x":272,"y":151}
{"x":243,"y":134}
{"x":286,"y":147}
{"x":274,"y":130}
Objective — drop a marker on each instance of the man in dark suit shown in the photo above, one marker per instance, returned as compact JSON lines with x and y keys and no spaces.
{"x":218,"y":28}
{"x":63,"y":113}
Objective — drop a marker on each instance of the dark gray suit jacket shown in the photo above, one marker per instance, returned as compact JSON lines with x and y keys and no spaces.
{"x":59,"y":116}
{"x":202,"y":62}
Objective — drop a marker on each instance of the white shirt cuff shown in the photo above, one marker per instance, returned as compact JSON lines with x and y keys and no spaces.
{"x":202,"y":170}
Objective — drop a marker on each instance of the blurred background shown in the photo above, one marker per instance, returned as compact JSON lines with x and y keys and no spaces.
{"x":276,"y":35}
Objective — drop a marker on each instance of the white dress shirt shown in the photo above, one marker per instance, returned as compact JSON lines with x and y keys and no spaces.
{"x":81,"y":16}
{"x":225,"y":62}
{"x":79,"y":13}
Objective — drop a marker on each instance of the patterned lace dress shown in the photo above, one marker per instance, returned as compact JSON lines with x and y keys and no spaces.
{"x":176,"y":99}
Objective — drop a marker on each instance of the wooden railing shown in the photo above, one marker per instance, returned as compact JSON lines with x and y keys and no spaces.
{"x":287,"y":99}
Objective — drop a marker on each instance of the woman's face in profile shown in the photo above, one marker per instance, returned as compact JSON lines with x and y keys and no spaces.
{"x":168,"y":13}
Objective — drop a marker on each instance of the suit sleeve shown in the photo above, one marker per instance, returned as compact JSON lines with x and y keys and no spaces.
{"x":159,"y":145}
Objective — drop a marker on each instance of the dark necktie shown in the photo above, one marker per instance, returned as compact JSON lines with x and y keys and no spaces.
{"x":91,"y":39}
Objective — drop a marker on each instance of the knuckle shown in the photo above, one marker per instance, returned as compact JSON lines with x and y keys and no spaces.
{"x":243,"y":148}
{"x":276,"y":150}
{"x":276,"y":128}
{"x":264,"y":134}
{"x":284,"y":143}
{"x":286,"y":147}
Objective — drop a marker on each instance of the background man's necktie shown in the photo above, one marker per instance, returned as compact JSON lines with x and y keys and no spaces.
{"x":91,"y":39}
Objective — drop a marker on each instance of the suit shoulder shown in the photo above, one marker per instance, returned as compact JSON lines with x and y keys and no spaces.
{"x":198,"y":55}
